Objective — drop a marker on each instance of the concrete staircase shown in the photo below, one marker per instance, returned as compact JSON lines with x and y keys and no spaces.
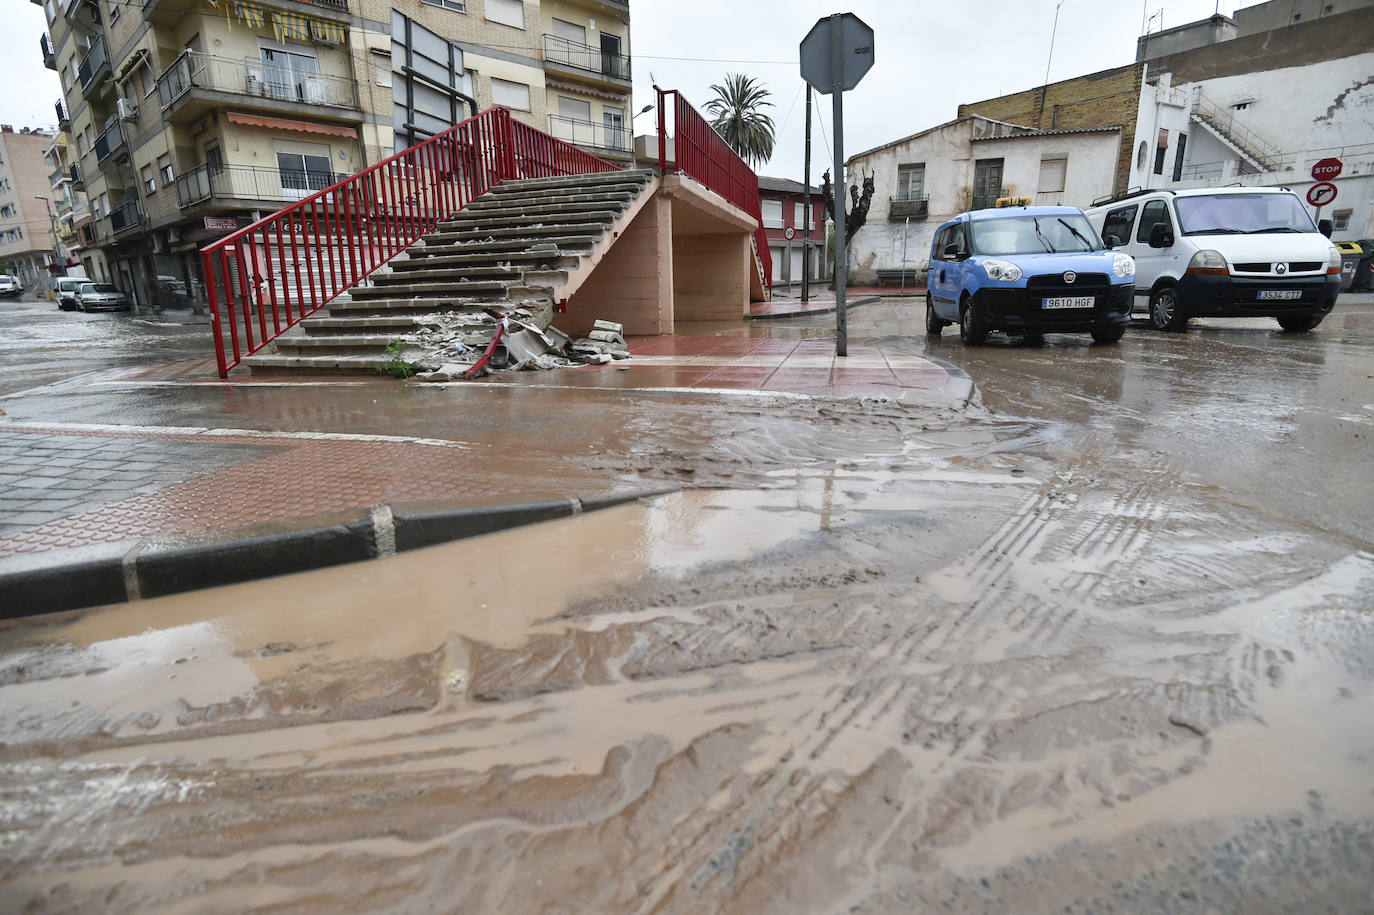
{"x":523,"y":245}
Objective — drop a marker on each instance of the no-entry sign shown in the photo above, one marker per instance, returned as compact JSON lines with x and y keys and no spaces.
{"x":1319,"y":195}
{"x":1326,"y":169}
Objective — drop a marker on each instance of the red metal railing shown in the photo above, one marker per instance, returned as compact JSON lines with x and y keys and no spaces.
{"x":701,"y":153}
{"x":264,"y":278}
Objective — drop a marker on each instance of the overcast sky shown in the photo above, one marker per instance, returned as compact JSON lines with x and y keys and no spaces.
{"x":929,"y":58}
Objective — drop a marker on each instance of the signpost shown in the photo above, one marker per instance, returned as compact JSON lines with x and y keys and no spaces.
{"x":835,"y":55}
{"x":1324,"y":192}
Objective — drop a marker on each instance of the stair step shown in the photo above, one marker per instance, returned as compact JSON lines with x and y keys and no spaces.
{"x":553,"y":196}
{"x":472,"y":273}
{"x":541,"y":259}
{"x":290,"y":344}
{"x":534,"y":234}
{"x":267,"y":364}
{"x":418,"y":305}
{"x":640,"y":176}
{"x":504,"y":247}
{"x":512,"y":220}
{"x":497,"y":288}
{"x":523,"y":207}
{"x":400,"y":323}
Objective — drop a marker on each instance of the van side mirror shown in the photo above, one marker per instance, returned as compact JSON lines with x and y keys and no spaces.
{"x":1111,"y":241}
{"x":1161,"y":236}
{"x":951,"y":252}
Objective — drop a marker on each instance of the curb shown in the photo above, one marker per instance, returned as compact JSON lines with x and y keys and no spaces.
{"x":866,"y":300}
{"x":139,"y":572}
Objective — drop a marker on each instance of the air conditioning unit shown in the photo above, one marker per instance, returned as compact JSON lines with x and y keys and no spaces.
{"x":128,"y":109}
{"x":313,"y":90}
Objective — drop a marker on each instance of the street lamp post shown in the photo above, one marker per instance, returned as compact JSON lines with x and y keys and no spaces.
{"x":52,"y":229}
{"x":634,"y":153}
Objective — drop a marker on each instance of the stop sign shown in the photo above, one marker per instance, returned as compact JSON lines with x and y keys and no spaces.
{"x":1326,"y":169}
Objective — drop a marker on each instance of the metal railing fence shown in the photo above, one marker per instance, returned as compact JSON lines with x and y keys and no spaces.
{"x":585,"y":57}
{"x":701,"y":153}
{"x":589,"y":133}
{"x":249,"y":182}
{"x":251,"y":77}
{"x":264,"y":278}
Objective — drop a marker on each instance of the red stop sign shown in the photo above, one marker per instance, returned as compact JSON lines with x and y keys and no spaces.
{"x":1326,"y":169}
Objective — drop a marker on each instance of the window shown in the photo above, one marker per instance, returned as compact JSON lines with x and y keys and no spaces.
{"x":1118,"y":223}
{"x":772,"y":214}
{"x":569,"y":32}
{"x":164,"y":168}
{"x":613,"y":120}
{"x":512,"y":95}
{"x":1156,"y":212}
{"x":287,"y":74}
{"x":575,"y":109}
{"x":1240,"y":106}
{"x":300,"y":172}
{"x":381,"y":61}
{"x":1178,"y":156}
{"x":987,"y":182}
{"x":911,"y":181}
{"x":81,"y":143}
{"x":149,"y":182}
{"x":1340,"y":219}
{"x":458,"y":6}
{"x":1140,"y":156}
{"x":1159,"y":160}
{"x":1052,"y":173}
{"x":214,"y":160}
{"x":114,"y":13}
{"x":506,"y":12}
{"x":799,"y":217}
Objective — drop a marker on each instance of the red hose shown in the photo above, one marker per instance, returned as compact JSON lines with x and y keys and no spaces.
{"x":491,"y":348}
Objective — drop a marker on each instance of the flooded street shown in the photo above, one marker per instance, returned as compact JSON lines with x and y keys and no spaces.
{"x":1103,"y":641}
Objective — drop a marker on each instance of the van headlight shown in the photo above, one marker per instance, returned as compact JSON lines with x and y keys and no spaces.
{"x":1002,"y":271}
{"x":1333,"y":261}
{"x":1209,"y":262}
{"x":1123,"y":265}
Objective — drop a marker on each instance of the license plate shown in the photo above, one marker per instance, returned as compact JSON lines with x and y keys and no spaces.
{"x":1074,"y":301}
{"x":1266,"y":295}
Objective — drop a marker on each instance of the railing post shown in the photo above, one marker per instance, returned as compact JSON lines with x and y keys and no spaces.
{"x":506,"y":127}
{"x":662,"y":128}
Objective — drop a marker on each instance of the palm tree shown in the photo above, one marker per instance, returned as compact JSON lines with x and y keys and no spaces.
{"x":737,"y":115}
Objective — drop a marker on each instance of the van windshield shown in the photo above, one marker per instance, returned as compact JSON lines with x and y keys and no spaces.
{"x":1033,"y":234}
{"x":1241,"y":214}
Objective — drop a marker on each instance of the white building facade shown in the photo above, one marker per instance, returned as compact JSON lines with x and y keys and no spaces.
{"x":922,"y":180}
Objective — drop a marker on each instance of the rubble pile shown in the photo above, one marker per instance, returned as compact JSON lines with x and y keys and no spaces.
{"x":459,"y":345}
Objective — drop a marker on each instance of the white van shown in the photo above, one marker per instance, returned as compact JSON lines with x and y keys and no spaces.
{"x":1223,"y":253}
{"x":66,"y":291}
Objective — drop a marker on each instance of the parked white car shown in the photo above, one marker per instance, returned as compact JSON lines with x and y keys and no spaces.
{"x":9,"y":286}
{"x":1223,"y":253}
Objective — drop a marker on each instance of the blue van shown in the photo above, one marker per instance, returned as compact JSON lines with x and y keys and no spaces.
{"x":1028,"y":270}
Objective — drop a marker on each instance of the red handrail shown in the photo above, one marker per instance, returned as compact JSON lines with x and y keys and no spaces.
{"x":701,"y":153}
{"x":264,"y":278}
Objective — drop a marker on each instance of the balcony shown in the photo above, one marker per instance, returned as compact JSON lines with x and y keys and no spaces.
{"x":197,"y":83}
{"x":601,"y":139}
{"x":73,"y":10}
{"x":77,"y":183}
{"x":908,"y":205}
{"x":248,"y":184}
{"x":128,"y":216}
{"x":986,"y":201}
{"x":64,"y":119}
{"x":45,"y":45}
{"x":108,"y":143}
{"x":586,"y":64}
{"x":94,"y":68}
{"x":168,"y":12}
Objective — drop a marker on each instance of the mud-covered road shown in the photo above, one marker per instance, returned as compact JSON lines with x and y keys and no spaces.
{"x":1105,"y":643}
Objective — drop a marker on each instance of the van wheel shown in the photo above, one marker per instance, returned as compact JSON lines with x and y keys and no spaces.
{"x":1109,"y":334}
{"x":1298,"y":325}
{"x":971,"y":329}
{"x":1165,"y":313}
{"x":934,"y":324}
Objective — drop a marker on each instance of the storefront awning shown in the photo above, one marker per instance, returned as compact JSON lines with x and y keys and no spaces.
{"x":256,"y":120}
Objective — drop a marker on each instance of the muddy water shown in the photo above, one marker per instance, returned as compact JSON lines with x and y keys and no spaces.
{"x":972,"y":668}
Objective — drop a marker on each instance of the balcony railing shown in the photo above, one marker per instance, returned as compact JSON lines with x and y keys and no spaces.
{"x":251,"y":77}
{"x":91,"y":65}
{"x":126,"y":217}
{"x":589,"y":133}
{"x":76,"y":177}
{"x":986,"y":201}
{"x":64,"y":120}
{"x":49,"y":58}
{"x":585,"y":57}
{"x":249,"y":182}
{"x":108,"y":142}
{"x":905,"y":205}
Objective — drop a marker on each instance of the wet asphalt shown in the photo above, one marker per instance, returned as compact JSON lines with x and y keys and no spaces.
{"x":1099,"y":642}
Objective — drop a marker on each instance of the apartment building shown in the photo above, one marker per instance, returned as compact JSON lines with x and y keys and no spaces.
{"x":26,"y":246}
{"x":69,"y":207}
{"x":192,"y":118}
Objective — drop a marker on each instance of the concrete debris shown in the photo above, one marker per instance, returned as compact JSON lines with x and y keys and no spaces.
{"x":449,"y":344}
